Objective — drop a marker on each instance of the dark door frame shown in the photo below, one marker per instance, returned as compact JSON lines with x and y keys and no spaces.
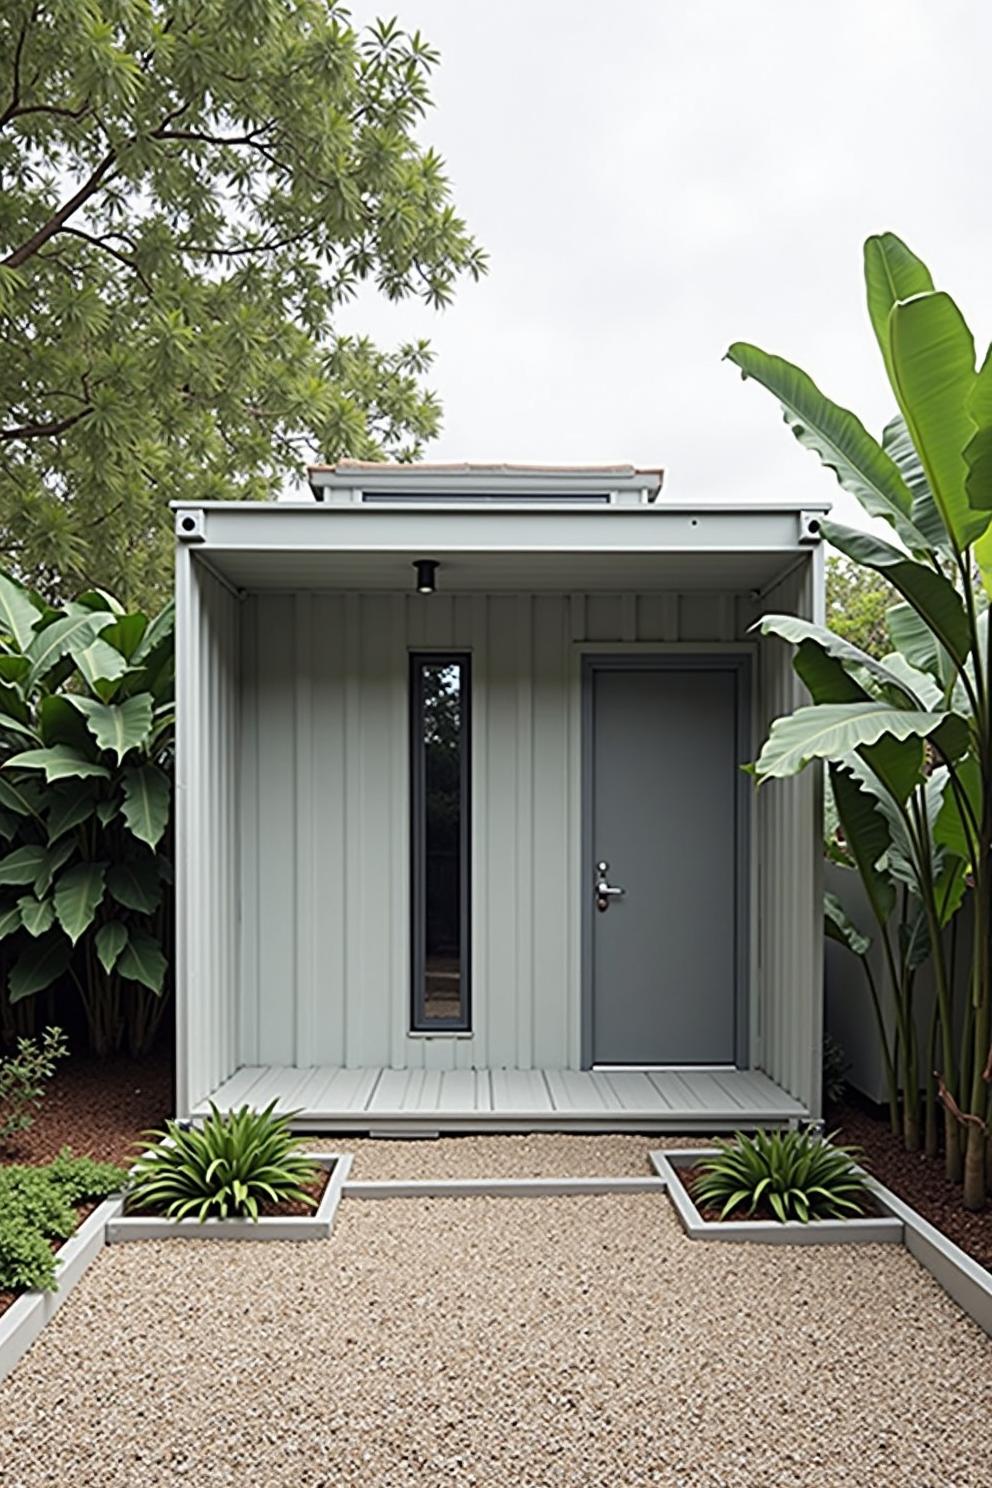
{"x":741,"y":664}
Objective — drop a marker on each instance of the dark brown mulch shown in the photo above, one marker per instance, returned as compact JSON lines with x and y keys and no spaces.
{"x":917,"y":1179}
{"x":763,"y":1211}
{"x":99,"y":1108}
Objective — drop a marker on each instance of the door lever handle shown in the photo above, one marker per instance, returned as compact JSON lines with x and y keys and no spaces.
{"x":605,"y":891}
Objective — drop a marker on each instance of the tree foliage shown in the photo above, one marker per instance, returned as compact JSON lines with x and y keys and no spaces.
{"x":191,"y":190}
{"x":857,"y":605}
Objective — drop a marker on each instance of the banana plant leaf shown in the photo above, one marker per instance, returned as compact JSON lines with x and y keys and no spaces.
{"x":932,"y":359}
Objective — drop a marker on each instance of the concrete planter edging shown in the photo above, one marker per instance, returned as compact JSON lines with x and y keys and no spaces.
{"x":25,"y":1318}
{"x":884,"y":1229}
{"x":963,"y":1279}
{"x":440,"y":1188}
{"x":316,"y":1226}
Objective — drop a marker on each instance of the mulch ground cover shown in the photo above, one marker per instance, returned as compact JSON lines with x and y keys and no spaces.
{"x":917,"y":1179}
{"x":99,"y":1108}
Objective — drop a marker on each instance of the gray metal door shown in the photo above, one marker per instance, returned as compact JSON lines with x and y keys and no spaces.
{"x":666,"y":815}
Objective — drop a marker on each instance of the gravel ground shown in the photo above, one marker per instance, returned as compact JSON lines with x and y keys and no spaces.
{"x":536,"y":1155}
{"x":538,"y":1343}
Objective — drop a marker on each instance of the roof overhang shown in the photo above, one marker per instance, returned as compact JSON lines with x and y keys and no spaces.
{"x":552,"y":547}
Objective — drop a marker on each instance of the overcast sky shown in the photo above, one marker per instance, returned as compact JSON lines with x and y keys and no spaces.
{"x":654,"y":179}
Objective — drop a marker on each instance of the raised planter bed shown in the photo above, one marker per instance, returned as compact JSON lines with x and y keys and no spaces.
{"x":24,"y":1319}
{"x":884,"y":1228}
{"x":962,"y":1278}
{"x":315,"y":1226}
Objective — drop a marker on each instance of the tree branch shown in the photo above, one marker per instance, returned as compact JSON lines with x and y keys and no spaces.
{"x":46,"y":430}
{"x":15,"y":99}
{"x":102,"y":243}
{"x":58,"y":219}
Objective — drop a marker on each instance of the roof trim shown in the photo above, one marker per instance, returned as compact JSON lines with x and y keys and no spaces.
{"x":492,"y":479}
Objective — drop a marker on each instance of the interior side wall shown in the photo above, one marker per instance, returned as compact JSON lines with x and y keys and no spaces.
{"x":789,"y":1031}
{"x":207,"y":849}
{"x":324,"y":817}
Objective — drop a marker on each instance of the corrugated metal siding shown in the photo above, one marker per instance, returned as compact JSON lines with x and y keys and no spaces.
{"x":324,"y":812}
{"x":207,"y":810}
{"x":789,"y":1035}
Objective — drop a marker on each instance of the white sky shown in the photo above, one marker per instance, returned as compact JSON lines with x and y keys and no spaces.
{"x":655,"y":180}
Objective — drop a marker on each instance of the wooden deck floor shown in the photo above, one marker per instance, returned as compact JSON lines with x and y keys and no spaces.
{"x":416,"y":1101}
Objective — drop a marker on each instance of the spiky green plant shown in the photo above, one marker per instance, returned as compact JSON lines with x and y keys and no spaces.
{"x":799,"y":1175}
{"x":223,"y":1169}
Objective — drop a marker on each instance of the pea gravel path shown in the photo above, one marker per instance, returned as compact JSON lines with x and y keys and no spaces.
{"x":511,"y":1343}
{"x":534,"y":1155}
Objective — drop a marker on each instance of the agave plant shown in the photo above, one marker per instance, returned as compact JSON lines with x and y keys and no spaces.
{"x":799,"y":1175}
{"x":86,"y":737}
{"x":908,"y":739}
{"x":222,"y":1169}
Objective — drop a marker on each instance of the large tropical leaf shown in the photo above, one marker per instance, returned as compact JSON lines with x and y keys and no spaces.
{"x":135,"y":884}
{"x":926,"y":519}
{"x":23,"y":865}
{"x":834,"y":730}
{"x":18,"y":613}
{"x":37,"y":915}
{"x":920,"y":687}
{"x":70,"y":805}
{"x":156,"y":634}
{"x":66,"y":636}
{"x":10,"y":920}
{"x":858,"y":663}
{"x":40,"y":963}
{"x":932,"y":596}
{"x":142,"y":960}
{"x":868,"y":839}
{"x":126,"y":634}
{"x":961,"y":810}
{"x":56,"y":857}
{"x":146,"y":802}
{"x":118,"y":727}
{"x":839,"y":926}
{"x":59,"y":763}
{"x":110,"y":940}
{"x":982,"y":552}
{"x":835,"y":435}
{"x":933,"y":377}
{"x":78,"y":895}
{"x":914,"y":639}
{"x":101,"y":665}
{"x":61,"y":724}
{"x":892,"y":273}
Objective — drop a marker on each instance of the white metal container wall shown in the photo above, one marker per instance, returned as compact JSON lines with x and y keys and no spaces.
{"x":790,"y":868}
{"x":324,"y":847}
{"x":207,"y":841}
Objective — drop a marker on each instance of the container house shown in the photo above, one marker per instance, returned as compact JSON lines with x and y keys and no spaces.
{"x":464,"y":842}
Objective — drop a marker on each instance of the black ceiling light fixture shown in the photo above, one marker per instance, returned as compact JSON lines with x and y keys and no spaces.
{"x":426,"y":570}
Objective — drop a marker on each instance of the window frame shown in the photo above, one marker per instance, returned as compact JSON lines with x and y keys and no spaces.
{"x":420,"y":1024}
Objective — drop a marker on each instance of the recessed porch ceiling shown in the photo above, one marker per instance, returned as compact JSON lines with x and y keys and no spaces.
{"x":501,"y":549}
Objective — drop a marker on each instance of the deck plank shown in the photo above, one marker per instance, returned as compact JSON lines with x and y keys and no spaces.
{"x":236,"y":1090}
{"x":520,"y":1090}
{"x":636,"y":1092}
{"x":670,"y":1099}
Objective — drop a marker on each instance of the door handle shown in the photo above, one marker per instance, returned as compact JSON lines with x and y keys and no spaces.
{"x":605,"y":891}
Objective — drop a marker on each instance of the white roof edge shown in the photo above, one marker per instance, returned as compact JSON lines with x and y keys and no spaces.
{"x":661,"y":508}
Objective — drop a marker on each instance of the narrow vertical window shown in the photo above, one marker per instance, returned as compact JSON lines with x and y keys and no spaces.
{"x":440,"y":695}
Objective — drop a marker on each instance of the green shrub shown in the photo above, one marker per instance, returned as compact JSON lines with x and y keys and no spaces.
{"x":798,"y":1175}
{"x":22,"y":1079}
{"x":223,"y":1169}
{"x":86,"y":752}
{"x":37,"y":1206}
